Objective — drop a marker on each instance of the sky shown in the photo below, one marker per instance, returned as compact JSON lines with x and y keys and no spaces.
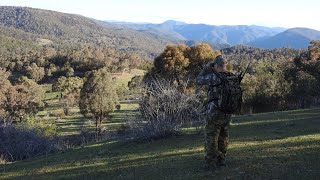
{"x":271,"y":13}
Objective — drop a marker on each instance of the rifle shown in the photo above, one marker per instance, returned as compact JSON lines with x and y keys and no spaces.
{"x":241,"y":75}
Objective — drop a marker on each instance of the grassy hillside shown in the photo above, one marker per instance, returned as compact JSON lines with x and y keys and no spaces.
{"x":280,"y":145}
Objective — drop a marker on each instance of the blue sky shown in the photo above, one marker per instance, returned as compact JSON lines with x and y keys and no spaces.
{"x":272,"y":13}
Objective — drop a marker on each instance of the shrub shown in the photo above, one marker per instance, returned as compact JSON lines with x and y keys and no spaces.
{"x":118,"y":107}
{"x":164,"y":109}
{"x":44,"y":127}
{"x":21,"y":143}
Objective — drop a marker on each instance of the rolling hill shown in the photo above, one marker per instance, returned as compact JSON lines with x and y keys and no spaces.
{"x":292,"y":38}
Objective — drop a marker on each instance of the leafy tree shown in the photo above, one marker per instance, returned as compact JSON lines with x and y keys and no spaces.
{"x":303,"y":73}
{"x":265,"y":88}
{"x":68,"y":101}
{"x":51,"y":69}
{"x":70,"y":72}
{"x":25,"y":99}
{"x":5,"y":88}
{"x":98,"y":96}
{"x":135,"y":60}
{"x":199,"y":56}
{"x":181,"y":62}
{"x":172,"y":62}
{"x":135,"y":82}
{"x":70,"y":91}
{"x":59,"y":85}
{"x":123,"y":64}
{"x":34,"y":72}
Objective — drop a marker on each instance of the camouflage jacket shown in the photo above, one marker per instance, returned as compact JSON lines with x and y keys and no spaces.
{"x":209,"y":78}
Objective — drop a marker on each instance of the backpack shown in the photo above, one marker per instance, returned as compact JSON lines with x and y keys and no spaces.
{"x":229,"y":93}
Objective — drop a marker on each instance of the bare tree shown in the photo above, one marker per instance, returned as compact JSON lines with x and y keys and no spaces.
{"x":165,"y":108}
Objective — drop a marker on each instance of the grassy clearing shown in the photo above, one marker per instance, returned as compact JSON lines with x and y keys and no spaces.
{"x":124,"y":78}
{"x":281,"y":145}
{"x":70,"y":125}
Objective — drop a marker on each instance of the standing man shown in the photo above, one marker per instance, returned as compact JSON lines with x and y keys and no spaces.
{"x":224,"y":98}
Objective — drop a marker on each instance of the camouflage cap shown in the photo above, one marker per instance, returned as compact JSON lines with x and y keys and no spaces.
{"x":219,"y":60}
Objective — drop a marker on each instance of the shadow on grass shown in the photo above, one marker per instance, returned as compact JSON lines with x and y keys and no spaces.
{"x":53,"y":106}
{"x":265,"y":149}
{"x":277,"y":128}
{"x":279,"y":115}
{"x":140,"y":161}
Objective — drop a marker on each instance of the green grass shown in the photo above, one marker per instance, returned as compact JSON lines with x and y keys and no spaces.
{"x":280,"y":145}
{"x":70,"y":125}
{"x":124,"y":78}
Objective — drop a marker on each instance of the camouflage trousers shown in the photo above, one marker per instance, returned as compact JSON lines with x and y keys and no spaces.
{"x":216,"y":137}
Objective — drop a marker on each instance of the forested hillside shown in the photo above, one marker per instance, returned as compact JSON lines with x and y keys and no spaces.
{"x":69,"y":31}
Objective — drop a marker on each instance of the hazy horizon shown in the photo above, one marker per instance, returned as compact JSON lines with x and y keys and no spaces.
{"x":271,"y":13}
{"x":116,"y":21}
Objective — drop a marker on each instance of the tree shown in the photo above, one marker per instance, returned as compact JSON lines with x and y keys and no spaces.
{"x":183,"y":63}
{"x":67,"y":102}
{"x":135,"y":61}
{"x":199,"y":56}
{"x":70,"y":91}
{"x":123,"y":64}
{"x":24,"y":99}
{"x":70,"y":72}
{"x":34,"y":72}
{"x":172,"y":62}
{"x":5,"y":88}
{"x":135,"y":82}
{"x":51,"y":70}
{"x":303,"y":73}
{"x":265,"y":87}
{"x":98,"y":96}
{"x":59,"y":85}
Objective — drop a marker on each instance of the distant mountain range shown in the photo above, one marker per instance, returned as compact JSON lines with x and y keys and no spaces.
{"x":291,"y":38}
{"x":30,"y":27}
{"x":258,"y":36}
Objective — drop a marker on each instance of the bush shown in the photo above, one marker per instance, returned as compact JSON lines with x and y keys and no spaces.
{"x":118,"y":107}
{"x":22,"y":143}
{"x":41,"y":126}
{"x":85,"y":135}
{"x":164,"y":109}
{"x":122,"y":92}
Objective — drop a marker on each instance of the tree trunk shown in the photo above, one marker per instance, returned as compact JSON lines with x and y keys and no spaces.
{"x":97,"y":119}
{"x":66,"y":111}
{"x":251,"y":110}
{"x":100,"y":122}
{"x":303,"y":103}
